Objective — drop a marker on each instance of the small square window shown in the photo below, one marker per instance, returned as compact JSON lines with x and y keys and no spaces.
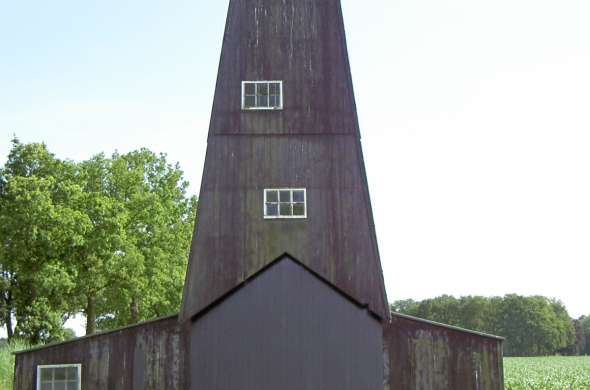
{"x":262,"y":95}
{"x":285,"y":203}
{"x":59,"y":377}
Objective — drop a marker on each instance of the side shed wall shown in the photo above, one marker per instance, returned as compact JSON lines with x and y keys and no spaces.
{"x":144,"y":357}
{"x":424,"y":355}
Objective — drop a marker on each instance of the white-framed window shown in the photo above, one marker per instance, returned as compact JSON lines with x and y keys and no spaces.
{"x":285,"y":203}
{"x":59,"y":377}
{"x":262,"y":95}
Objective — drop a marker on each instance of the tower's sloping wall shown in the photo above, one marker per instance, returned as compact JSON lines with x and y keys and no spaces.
{"x":312,"y":143}
{"x":300,"y":42}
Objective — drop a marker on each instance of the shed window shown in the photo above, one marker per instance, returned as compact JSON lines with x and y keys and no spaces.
{"x":59,"y":377}
{"x":285,"y":203}
{"x":262,"y":95}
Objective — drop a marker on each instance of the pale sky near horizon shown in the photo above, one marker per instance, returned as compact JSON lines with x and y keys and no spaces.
{"x":474,"y":117}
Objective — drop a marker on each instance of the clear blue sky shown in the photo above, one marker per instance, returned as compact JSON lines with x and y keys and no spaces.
{"x":474,"y":117}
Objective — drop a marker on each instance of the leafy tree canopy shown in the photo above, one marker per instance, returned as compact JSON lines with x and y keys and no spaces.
{"x":532,"y":325}
{"x":107,"y":236}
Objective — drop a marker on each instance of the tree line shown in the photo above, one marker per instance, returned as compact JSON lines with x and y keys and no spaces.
{"x":107,"y":237}
{"x":532,"y":326}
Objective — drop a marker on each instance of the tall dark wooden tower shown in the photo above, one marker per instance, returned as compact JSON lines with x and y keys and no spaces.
{"x":284,"y":288}
{"x":284,"y":205}
{"x":311,"y":141}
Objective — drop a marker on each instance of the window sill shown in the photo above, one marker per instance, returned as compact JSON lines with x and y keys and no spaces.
{"x":284,"y":217}
{"x":262,"y":108}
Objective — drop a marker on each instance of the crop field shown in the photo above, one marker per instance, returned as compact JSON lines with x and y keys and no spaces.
{"x":547,"y":373}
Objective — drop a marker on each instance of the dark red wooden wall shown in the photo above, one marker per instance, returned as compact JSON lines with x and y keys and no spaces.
{"x":430,"y":356}
{"x":149,"y":356}
{"x":312,"y":143}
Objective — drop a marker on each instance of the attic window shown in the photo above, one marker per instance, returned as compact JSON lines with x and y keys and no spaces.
{"x":59,"y":377}
{"x":285,"y":203}
{"x":262,"y":95}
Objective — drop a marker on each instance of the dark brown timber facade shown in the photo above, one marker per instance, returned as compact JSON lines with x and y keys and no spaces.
{"x":284,"y":287}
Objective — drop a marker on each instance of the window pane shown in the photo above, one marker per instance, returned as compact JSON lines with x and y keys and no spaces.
{"x":262,"y":101}
{"x":46,"y":386}
{"x":286,"y":209}
{"x":272,"y":209}
{"x":46,"y":374}
{"x":72,"y":386}
{"x":272,"y":196}
{"x":72,"y":373}
{"x":275,"y":89}
{"x":249,"y":89}
{"x":285,"y":196}
{"x":274,"y":101}
{"x":60,"y":373}
{"x":59,"y":385}
{"x":262,"y":89}
{"x":249,"y":101}
{"x":298,"y":196}
{"x":299,"y":209}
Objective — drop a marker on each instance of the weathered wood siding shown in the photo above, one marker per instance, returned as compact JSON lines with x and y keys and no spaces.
{"x":312,"y":143}
{"x":286,"y":329}
{"x":301,"y":42}
{"x":423,"y":355}
{"x":234,"y":241}
{"x":148,"y":356}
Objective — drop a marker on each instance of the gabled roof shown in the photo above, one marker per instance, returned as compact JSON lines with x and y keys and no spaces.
{"x":445,"y":326}
{"x":146,"y":323}
{"x":284,"y":257}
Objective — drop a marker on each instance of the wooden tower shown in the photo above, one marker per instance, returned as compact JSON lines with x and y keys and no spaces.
{"x":284,"y":213}
{"x":307,"y":139}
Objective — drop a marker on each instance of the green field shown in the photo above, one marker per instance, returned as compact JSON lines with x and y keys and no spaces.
{"x":544,"y":373}
{"x":547,"y":373}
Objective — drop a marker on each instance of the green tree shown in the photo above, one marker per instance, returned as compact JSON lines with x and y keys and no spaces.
{"x":407,"y":306}
{"x":533,"y":326}
{"x":158,"y":233}
{"x":444,"y":309}
{"x":99,"y":262}
{"x":108,"y":237}
{"x":38,"y":229}
{"x":477,"y":313}
{"x":585,"y":322}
